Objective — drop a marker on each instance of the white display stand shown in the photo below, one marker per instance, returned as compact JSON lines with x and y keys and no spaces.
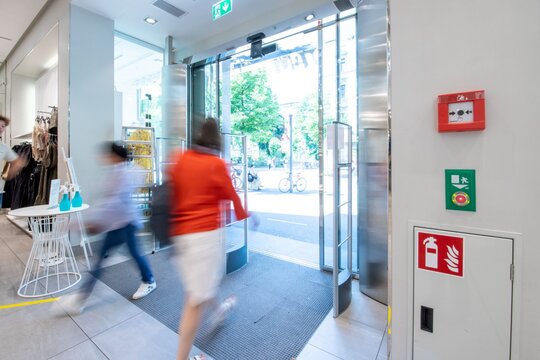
{"x":51,"y":265}
{"x":72,"y":178}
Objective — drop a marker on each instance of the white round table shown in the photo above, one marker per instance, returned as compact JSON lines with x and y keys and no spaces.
{"x":51,"y":265}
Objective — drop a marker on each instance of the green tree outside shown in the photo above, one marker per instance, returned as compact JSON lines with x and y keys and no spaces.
{"x":255,"y":110}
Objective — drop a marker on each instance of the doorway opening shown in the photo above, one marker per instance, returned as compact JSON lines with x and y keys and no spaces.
{"x":282,"y":103}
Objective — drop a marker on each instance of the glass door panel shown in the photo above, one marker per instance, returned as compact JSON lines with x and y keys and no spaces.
{"x":328,"y":104}
{"x":236,"y":232}
{"x":339,"y":137}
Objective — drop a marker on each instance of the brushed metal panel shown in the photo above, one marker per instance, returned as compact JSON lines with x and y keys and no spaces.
{"x":175,"y":100}
{"x":373,"y":149}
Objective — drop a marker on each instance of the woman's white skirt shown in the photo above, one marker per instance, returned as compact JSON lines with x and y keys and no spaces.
{"x":200,"y":258}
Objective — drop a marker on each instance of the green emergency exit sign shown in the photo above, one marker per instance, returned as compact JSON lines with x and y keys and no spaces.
{"x":460,"y":189}
{"x":221,"y":8}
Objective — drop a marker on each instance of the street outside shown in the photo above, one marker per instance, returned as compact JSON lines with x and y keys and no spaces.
{"x":291,"y":215}
{"x":289,"y":222}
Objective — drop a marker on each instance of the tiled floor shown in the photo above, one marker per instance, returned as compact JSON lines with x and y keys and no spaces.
{"x":113,"y":328}
{"x":358,"y":334}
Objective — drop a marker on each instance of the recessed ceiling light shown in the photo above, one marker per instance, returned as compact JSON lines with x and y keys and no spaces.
{"x":150,"y":20}
{"x":309,"y":17}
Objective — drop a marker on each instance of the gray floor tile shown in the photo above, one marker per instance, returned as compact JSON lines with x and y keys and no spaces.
{"x":37,"y":331}
{"x":383,"y":350}
{"x":10,"y":267}
{"x":85,"y":351}
{"x":347,"y":339}
{"x":311,"y":352}
{"x":104,"y":309}
{"x":20,"y":245}
{"x":8,"y":290}
{"x":366,"y":310}
{"x":141,"y":337}
{"x":10,"y":230}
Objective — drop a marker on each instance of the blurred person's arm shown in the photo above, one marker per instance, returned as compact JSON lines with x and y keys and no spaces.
{"x":113,"y":206}
{"x":16,"y":163}
{"x":228,"y":192}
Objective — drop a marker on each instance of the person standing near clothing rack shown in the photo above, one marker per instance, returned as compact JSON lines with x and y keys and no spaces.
{"x":13,"y":163}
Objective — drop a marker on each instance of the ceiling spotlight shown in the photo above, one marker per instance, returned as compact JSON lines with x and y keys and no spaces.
{"x":150,"y":20}
{"x":309,"y":17}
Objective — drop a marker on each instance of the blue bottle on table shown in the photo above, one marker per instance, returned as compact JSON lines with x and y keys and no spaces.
{"x":77,"y":199}
{"x":65,"y":204}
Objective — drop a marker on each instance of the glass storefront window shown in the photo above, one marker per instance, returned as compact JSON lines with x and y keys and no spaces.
{"x":137,"y":83}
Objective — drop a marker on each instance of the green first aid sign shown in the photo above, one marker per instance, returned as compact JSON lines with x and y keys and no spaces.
{"x":460,"y":189}
{"x":221,"y":8}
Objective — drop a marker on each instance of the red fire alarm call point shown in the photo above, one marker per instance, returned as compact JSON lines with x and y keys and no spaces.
{"x":464,"y":111}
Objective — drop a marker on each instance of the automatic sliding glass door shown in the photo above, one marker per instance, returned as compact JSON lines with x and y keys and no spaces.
{"x":339,"y":155}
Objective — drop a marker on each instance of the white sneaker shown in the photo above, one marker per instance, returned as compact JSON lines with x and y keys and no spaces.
{"x":198,"y":357}
{"x":143,"y":290}
{"x":223,"y":312}
{"x":74,"y":304}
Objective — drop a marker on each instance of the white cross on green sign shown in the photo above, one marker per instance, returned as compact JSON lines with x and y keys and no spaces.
{"x":221,"y":8}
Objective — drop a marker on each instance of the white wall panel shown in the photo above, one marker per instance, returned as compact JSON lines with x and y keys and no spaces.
{"x":445,"y":47}
{"x":47,"y":90}
{"x":91,"y":95}
{"x":23,"y":93}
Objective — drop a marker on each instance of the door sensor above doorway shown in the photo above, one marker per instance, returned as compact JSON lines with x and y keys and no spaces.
{"x":257,"y":50}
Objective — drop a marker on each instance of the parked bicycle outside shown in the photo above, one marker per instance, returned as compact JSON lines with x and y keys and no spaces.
{"x":299,"y":183}
{"x":237,"y":181}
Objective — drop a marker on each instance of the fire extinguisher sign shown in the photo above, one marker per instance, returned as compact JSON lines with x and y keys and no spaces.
{"x":440,"y":253}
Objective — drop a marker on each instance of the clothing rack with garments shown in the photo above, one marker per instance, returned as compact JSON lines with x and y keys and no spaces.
{"x":32,"y":185}
{"x":22,"y":189}
{"x":45,"y":152}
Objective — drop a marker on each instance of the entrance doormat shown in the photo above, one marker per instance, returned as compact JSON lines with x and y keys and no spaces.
{"x":279,"y":305}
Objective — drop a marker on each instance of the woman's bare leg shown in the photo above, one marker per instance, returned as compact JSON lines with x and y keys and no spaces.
{"x":191,"y":318}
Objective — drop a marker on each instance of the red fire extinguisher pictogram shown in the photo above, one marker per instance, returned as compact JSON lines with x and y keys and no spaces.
{"x":431,"y":253}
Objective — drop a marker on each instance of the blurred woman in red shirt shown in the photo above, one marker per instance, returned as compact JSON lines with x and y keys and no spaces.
{"x":200,"y":182}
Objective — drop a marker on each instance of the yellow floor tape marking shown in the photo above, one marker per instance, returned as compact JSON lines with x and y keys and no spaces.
{"x":389,"y":320}
{"x":28,"y":303}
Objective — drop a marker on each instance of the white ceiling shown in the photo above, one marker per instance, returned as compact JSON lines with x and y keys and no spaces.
{"x":196,"y":32}
{"x":15,"y":17}
{"x":42,"y":58}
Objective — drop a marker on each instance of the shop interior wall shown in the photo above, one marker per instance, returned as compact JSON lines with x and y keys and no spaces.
{"x":23,"y":106}
{"x":445,"y":47}
{"x":91,"y":95}
{"x":47,"y":90}
{"x":54,"y":12}
{"x":29,"y":95}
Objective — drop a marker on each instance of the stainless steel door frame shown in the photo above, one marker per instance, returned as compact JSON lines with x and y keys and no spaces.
{"x":237,"y":253}
{"x":342,"y":274}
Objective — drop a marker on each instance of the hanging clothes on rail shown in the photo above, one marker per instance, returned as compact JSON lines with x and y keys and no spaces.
{"x":40,"y":137}
{"x":49,"y":171}
{"x":53,"y":125}
{"x":21,"y":190}
{"x":32,"y":185}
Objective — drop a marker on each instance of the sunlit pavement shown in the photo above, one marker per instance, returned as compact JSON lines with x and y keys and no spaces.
{"x":289,"y":222}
